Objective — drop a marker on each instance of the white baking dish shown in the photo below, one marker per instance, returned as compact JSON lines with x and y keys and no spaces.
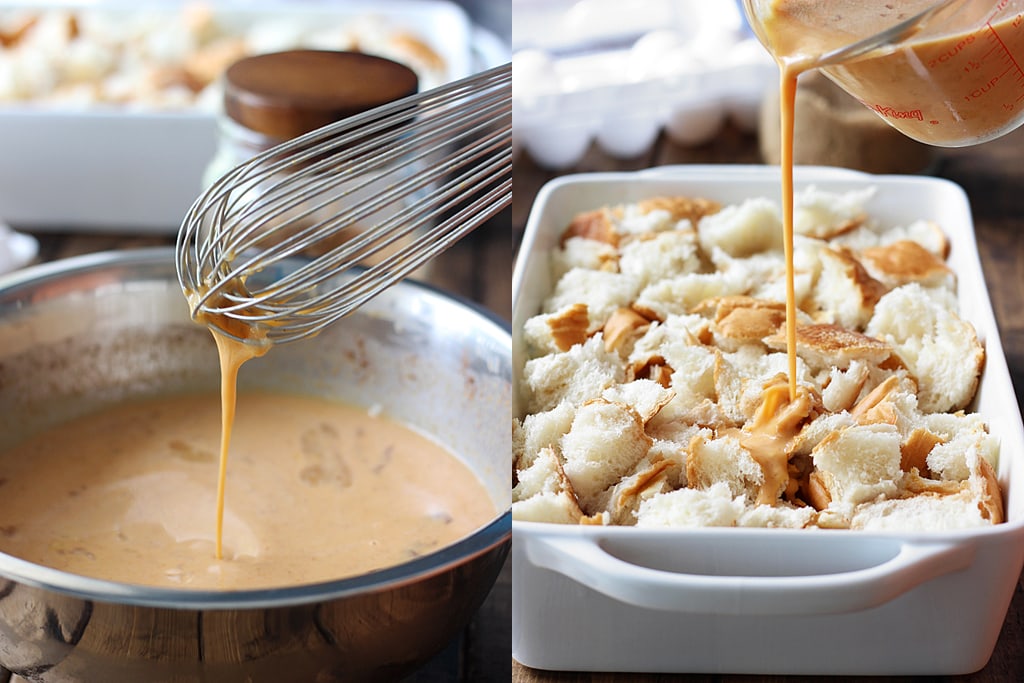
{"x":772,"y":601}
{"x":138,"y":169}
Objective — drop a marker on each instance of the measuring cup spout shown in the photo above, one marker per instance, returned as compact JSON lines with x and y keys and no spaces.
{"x":946,"y":73}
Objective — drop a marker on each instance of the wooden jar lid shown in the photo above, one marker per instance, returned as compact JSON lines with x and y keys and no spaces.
{"x":285,"y":94}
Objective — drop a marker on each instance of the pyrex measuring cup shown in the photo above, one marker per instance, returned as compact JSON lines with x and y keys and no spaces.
{"x":945,"y":72}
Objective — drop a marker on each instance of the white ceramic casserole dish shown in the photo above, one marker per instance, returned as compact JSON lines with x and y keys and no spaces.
{"x":772,"y":601}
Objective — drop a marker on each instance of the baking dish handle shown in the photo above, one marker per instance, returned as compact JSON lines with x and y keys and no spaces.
{"x":585,"y":561}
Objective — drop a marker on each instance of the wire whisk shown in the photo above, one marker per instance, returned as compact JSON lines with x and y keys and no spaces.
{"x":388,"y":189}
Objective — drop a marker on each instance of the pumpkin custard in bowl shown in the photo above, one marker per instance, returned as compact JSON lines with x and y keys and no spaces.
{"x":365,"y":495}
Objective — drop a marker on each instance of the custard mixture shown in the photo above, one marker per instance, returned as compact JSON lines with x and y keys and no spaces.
{"x":315,"y":490}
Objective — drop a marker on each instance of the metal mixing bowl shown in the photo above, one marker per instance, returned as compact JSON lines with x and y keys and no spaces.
{"x":79,"y":334}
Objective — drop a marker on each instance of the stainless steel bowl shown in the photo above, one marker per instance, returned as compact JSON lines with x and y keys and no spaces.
{"x":89,"y":331}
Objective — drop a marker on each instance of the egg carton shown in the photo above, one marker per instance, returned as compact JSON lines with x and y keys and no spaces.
{"x":620,"y":88}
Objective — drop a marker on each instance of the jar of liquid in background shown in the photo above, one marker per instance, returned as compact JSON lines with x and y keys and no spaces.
{"x":272,"y":98}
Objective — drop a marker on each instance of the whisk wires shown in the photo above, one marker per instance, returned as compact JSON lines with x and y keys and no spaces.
{"x":388,"y":189}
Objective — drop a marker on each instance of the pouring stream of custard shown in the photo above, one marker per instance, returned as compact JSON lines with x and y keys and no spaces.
{"x":232,"y":354}
{"x":796,"y":49}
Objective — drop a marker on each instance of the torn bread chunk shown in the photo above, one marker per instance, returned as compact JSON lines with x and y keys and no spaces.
{"x":822,"y":426}
{"x":605,"y":442}
{"x":962,"y":455}
{"x":638,"y":222}
{"x":939,"y":349}
{"x":622,"y":329}
{"x":651,"y":476}
{"x":581,"y":252}
{"x":741,"y":378}
{"x":646,"y":397}
{"x":845,"y":294}
{"x":825,"y":215}
{"x":844,"y":385}
{"x":692,"y":381}
{"x":663,"y":255}
{"x":578,"y":375}
{"x":860,"y":463}
{"x":781,"y":516}
{"x":753,"y":226}
{"x":666,"y":339}
{"x":671,"y":447}
{"x":924,"y":512}
{"x":769,"y":266}
{"x":596,"y":225}
{"x":678,"y":209}
{"x":557,"y":331}
{"x":806,"y":267}
{"x":906,"y":261}
{"x":543,"y":492}
{"x":743,"y":319}
{"x":679,"y":295}
{"x":973,"y":502}
{"x":831,"y":346}
{"x":711,"y":460}
{"x":713,"y":506}
{"x":602,"y":292}
{"x":926,"y":233}
{"x":538,"y":431}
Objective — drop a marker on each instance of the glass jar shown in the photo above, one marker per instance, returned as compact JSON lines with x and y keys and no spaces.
{"x":272,"y":98}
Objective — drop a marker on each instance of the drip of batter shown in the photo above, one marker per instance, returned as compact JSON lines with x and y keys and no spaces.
{"x":252,"y":342}
{"x":768,"y":438}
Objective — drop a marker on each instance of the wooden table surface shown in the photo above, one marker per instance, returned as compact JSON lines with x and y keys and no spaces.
{"x":993,"y":176}
{"x":479,"y":269}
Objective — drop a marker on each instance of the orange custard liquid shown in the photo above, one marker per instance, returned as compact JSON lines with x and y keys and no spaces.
{"x":954,"y":88}
{"x":317,"y":490}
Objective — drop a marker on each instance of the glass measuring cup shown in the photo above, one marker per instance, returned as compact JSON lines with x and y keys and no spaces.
{"x":947,"y":73}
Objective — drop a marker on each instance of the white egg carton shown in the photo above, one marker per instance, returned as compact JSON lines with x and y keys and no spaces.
{"x":702,"y":68}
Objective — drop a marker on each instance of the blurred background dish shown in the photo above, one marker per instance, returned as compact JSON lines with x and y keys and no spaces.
{"x":108,"y":110}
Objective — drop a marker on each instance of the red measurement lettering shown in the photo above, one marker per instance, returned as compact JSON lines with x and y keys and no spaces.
{"x":893,"y":113}
{"x":981,"y":90}
{"x":951,"y":52}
